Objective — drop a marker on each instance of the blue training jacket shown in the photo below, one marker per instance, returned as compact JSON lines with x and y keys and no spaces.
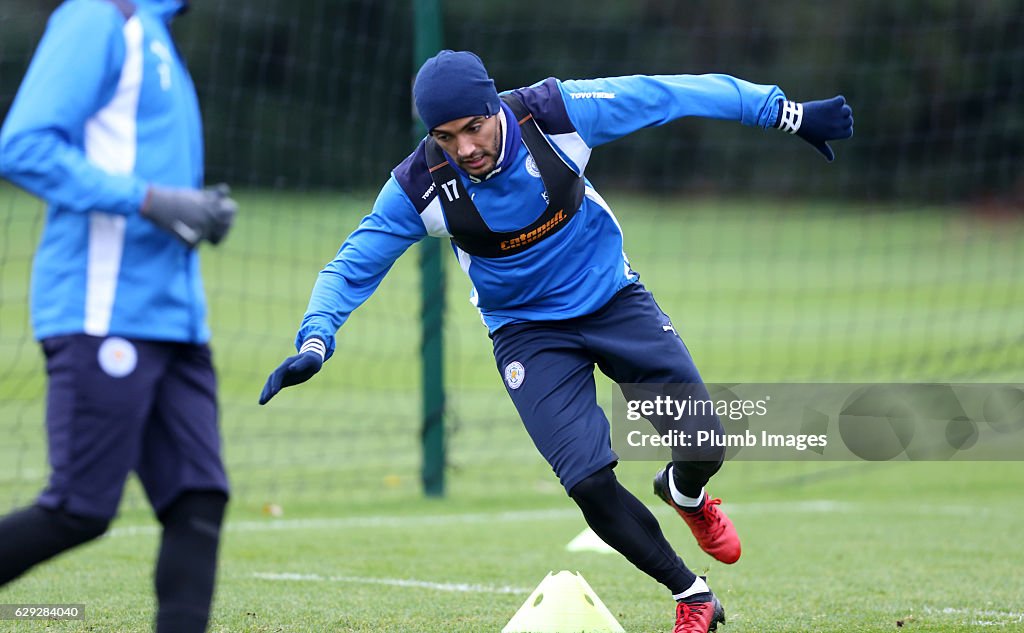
{"x":106,"y":108}
{"x":570,"y":273}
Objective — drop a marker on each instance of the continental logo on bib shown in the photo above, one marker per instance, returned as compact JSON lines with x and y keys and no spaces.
{"x":530,"y":237}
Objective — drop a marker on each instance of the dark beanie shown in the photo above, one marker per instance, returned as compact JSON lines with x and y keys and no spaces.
{"x":452,"y":85}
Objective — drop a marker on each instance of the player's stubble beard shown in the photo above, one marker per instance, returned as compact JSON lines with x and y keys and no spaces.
{"x":491,"y":156}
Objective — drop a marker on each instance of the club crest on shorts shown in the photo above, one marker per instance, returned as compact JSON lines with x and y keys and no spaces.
{"x":117,"y":357}
{"x":514,"y":374}
{"x":531,"y":167}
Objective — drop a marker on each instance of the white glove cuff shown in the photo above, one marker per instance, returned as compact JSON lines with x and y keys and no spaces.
{"x":313,"y":344}
{"x":791,"y":116}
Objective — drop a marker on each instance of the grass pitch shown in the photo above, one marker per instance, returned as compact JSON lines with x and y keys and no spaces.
{"x":762,"y":291}
{"x":854,"y":547}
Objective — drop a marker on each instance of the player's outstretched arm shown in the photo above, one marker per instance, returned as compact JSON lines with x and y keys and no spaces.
{"x":818,"y":122}
{"x":295,"y":369}
{"x":347,"y":281}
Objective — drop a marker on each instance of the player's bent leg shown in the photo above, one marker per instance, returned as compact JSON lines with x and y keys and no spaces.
{"x":622,"y":521}
{"x":187,"y":565}
{"x":35,"y":534}
{"x":714,"y":531}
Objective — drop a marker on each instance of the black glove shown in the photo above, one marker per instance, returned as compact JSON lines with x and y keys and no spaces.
{"x":817,"y":122}
{"x":191,"y":215}
{"x":295,"y":369}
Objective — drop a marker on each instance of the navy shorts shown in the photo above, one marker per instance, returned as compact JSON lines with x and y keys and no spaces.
{"x":115,"y":406}
{"x":548,"y":370}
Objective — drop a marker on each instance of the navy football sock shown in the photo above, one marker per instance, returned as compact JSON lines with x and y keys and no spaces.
{"x":623,"y":522}
{"x":34,"y":534}
{"x":187,"y":566}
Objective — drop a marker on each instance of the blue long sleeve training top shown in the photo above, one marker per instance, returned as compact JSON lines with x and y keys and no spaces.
{"x":569,"y":274}
{"x":105,"y":109}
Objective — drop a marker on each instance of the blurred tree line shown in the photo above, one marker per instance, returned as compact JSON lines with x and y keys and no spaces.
{"x":316,"y":93}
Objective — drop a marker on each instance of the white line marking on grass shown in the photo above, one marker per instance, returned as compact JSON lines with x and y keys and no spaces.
{"x":982,"y":617}
{"x":459,"y":587}
{"x":819,"y":506}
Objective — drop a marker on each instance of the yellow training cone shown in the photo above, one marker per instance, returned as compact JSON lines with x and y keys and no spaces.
{"x":589,"y":541}
{"x":563,"y":603}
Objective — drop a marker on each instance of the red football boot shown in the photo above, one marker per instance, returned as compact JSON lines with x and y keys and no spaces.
{"x":715,"y":533}
{"x":699,"y":617}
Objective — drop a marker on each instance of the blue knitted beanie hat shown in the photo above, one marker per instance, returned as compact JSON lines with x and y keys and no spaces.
{"x":452,"y":85}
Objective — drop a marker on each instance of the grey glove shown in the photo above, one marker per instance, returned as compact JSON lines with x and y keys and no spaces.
{"x":191,"y":215}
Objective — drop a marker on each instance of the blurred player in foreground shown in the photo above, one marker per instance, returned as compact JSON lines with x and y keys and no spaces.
{"x":106,"y":129}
